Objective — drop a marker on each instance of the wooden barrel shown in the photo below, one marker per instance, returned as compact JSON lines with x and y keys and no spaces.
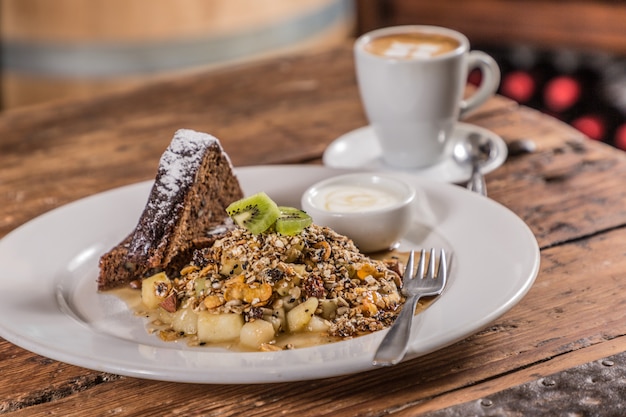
{"x":68,"y":48}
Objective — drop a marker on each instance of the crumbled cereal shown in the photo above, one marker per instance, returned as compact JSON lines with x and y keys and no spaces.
{"x":265,"y":276}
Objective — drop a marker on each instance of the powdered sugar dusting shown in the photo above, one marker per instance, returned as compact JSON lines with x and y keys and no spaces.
{"x":177,"y":169}
{"x":181,"y":159}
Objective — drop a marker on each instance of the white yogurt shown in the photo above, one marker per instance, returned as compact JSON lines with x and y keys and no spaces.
{"x":353,"y":198}
{"x":372,"y":209}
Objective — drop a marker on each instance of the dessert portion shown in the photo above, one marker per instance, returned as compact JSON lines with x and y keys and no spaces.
{"x":214,"y":267}
{"x":185,"y":211}
{"x":258,"y":288}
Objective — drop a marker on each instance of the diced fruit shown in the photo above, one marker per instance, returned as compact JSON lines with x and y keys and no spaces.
{"x":185,"y":320}
{"x":256,"y":213}
{"x":329,"y":308}
{"x":253,"y":334}
{"x":165,"y":316}
{"x":259,"y":213}
{"x":292,"y":221}
{"x":278,"y":318}
{"x":216,"y":328}
{"x":229,"y":266}
{"x":318,"y":324}
{"x":155,"y":289}
{"x":290,"y":301}
{"x":299,"y":316}
{"x":199,"y":286}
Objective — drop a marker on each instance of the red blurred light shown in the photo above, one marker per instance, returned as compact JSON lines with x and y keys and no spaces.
{"x":590,"y":125}
{"x":519,"y":86}
{"x":620,"y":137}
{"x":561,"y":93}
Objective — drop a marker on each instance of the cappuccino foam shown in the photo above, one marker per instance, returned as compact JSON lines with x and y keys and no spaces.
{"x":412,"y":45}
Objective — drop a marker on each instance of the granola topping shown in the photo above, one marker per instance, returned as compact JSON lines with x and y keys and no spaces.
{"x":316,"y":281}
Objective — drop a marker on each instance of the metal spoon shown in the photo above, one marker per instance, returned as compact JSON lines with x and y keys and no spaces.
{"x":476,"y":150}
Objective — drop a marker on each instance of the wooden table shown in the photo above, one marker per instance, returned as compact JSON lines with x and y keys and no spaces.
{"x":571,"y":192}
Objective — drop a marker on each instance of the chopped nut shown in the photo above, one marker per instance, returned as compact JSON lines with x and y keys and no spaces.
{"x":394,"y":265}
{"x":170,"y":303}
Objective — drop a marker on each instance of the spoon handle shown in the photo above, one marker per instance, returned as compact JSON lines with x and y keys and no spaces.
{"x":477,"y":182}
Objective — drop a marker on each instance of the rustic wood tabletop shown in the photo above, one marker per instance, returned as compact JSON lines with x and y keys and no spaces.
{"x":557,"y":352}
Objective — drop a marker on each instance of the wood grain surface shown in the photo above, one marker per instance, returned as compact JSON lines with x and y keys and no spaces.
{"x":589,"y":25}
{"x":570,"y":192}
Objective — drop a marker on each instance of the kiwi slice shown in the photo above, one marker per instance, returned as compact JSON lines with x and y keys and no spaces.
{"x":256,"y":213}
{"x":292,"y":221}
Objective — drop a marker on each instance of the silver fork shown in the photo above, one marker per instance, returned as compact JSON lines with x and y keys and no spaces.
{"x":395,"y":344}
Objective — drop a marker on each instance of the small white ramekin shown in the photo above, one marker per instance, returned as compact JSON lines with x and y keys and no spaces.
{"x":373,"y":229}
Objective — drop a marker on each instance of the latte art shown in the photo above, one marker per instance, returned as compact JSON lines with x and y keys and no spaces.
{"x":412,"y":45}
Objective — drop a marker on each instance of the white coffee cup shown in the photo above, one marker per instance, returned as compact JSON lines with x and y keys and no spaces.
{"x":412,"y":81}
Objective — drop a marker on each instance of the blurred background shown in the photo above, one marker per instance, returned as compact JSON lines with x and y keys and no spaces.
{"x":52,"y":49}
{"x":563,"y":57}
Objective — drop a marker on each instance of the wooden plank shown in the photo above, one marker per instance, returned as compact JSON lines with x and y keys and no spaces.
{"x":476,"y":393}
{"x":567,"y":163}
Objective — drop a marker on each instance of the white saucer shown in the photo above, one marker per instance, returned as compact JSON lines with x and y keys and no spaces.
{"x":359,"y":149}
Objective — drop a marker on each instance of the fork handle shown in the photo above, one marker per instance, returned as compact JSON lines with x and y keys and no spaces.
{"x":396,"y":342}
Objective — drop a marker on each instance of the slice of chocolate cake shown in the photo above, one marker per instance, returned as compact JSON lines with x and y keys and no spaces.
{"x":186,"y":210}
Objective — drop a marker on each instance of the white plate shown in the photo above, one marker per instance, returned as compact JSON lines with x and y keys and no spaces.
{"x":48,"y":270}
{"x":359,"y":149}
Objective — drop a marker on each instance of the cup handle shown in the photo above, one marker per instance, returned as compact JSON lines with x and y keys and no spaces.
{"x":489,"y":83}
